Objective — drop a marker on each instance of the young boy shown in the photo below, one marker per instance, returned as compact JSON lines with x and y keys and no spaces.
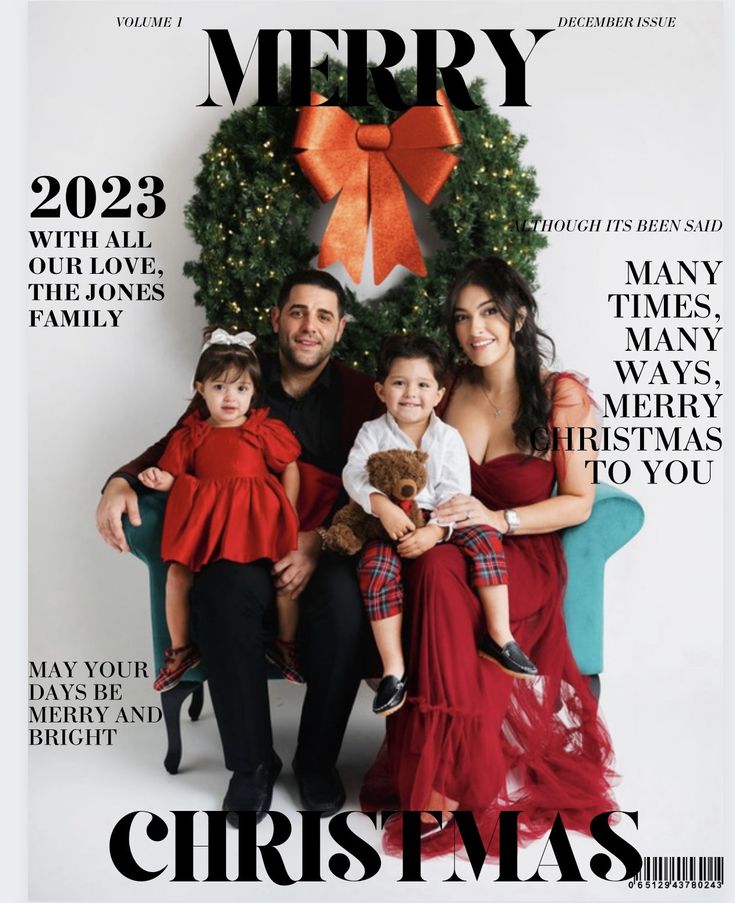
{"x":411,"y":371}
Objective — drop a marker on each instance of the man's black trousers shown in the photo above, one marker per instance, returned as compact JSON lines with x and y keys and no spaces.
{"x":235,"y":618}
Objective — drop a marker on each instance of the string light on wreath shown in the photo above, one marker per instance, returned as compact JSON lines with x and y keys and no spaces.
{"x":252,"y":210}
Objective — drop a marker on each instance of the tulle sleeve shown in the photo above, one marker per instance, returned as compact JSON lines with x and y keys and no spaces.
{"x":279,"y":445}
{"x":572,"y":407}
{"x":178,"y":457}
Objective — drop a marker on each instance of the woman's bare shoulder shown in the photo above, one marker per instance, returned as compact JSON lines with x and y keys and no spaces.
{"x":455,"y":390}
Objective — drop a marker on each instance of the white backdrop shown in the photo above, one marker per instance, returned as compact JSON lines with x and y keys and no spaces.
{"x":623,"y":123}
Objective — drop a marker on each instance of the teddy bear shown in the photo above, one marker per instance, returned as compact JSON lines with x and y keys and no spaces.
{"x":398,"y":473}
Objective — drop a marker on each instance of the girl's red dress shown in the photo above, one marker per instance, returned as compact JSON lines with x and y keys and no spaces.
{"x":225,"y":502}
{"x":468,"y":730}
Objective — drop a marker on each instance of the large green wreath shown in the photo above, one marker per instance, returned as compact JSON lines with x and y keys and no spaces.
{"x":253,"y":206}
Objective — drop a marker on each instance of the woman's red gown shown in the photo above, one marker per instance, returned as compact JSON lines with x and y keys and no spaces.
{"x":468,"y":730}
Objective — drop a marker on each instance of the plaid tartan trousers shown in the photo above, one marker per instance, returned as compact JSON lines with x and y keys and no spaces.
{"x":379,"y":570}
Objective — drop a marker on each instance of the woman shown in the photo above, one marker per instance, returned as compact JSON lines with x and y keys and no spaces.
{"x":470,"y":736}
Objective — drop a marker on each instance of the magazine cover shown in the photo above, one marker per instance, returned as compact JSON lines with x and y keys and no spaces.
{"x":484,"y":177}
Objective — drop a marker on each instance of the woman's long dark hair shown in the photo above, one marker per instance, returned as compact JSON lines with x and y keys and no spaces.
{"x":515,"y":302}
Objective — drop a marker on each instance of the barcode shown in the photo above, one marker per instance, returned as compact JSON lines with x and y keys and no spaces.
{"x":682,"y":868}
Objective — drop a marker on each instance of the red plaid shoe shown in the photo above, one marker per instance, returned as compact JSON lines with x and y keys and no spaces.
{"x":282,"y":654}
{"x":170,"y":674}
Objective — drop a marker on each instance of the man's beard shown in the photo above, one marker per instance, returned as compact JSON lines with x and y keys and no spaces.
{"x":288,"y":353}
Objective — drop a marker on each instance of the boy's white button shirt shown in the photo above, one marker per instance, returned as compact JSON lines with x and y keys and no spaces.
{"x":448,"y":467}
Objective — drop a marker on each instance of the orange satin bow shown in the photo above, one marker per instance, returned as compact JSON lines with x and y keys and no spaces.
{"x":363,"y":162}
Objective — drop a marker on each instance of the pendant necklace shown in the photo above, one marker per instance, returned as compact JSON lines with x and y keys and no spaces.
{"x":498,"y":411}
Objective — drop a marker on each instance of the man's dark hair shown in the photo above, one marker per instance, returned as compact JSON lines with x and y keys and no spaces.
{"x":413,"y":347}
{"x":312,"y":277}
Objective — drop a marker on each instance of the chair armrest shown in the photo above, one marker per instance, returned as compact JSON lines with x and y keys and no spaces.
{"x":615,"y":519}
{"x":145,"y":544}
{"x":145,"y":540}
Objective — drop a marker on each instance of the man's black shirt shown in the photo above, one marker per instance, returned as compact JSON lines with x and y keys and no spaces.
{"x":314,"y":419}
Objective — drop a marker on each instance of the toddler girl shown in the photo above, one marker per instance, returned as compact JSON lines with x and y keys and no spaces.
{"x":225,"y":502}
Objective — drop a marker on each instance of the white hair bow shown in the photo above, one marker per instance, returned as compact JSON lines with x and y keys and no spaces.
{"x":221,"y":337}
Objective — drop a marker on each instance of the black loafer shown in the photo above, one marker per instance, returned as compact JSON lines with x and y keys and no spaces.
{"x":390,"y":696}
{"x":509,"y":658}
{"x":251,"y":791}
{"x":321,"y":790}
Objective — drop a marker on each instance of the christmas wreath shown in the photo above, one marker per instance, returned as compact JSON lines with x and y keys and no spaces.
{"x":253,"y":206}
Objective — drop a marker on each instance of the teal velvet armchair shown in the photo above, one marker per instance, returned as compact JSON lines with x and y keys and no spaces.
{"x":616,"y":517}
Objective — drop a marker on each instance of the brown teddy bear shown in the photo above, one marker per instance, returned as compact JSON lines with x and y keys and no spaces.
{"x":401,"y":475}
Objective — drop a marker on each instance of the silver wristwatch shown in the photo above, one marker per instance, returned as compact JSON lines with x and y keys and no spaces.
{"x":512,"y":519}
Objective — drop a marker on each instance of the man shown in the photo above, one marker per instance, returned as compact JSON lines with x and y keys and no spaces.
{"x":324,"y":403}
